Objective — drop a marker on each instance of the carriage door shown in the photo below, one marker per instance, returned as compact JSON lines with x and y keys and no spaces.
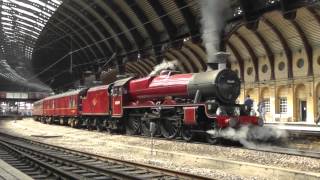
{"x":117,"y":101}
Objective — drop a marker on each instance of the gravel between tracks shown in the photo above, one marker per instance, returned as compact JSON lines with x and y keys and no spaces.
{"x":118,"y":146}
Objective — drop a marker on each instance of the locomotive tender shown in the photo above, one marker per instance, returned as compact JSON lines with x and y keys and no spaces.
{"x":176,"y":104}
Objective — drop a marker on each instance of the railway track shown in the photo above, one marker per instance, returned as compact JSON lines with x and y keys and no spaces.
{"x":43,"y":161}
{"x":40,"y":171}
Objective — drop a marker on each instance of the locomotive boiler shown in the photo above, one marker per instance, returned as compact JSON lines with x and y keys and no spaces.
{"x":223,"y":85}
{"x":174,"y":104}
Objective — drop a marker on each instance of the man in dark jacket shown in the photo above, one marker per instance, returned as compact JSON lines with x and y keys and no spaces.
{"x":248,"y":102}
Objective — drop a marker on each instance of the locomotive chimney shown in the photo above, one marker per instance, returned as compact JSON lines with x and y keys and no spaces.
{"x":219,"y":61}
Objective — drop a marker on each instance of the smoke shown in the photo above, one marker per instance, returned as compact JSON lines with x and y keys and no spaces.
{"x":248,"y":136}
{"x":172,"y":65}
{"x":214,"y":14}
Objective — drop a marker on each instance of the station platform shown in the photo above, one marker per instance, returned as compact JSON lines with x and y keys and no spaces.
{"x":9,"y":172}
{"x":297,"y":128}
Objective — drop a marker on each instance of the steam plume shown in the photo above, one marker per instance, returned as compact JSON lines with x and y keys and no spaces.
{"x":214,"y":14}
{"x":247,"y":136}
{"x":172,"y":65}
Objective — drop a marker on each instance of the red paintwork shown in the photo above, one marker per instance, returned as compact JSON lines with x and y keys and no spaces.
{"x":223,"y":121}
{"x":159,"y":86}
{"x":96,"y":102}
{"x":248,"y":120}
{"x":65,"y":104}
{"x":118,"y":98}
{"x":117,"y":110}
{"x":190,"y":115}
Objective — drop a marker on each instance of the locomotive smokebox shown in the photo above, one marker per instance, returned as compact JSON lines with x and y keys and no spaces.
{"x":222,"y":84}
{"x":219,"y":62}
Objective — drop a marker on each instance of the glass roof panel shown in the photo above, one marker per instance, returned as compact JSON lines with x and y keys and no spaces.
{"x":21,"y":23}
{"x":29,"y":25}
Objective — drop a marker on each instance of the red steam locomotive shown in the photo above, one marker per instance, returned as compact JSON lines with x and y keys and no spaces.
{"x":170,"y":104}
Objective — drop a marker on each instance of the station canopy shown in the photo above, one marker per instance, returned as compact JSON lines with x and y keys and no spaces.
{"x":53,"y":43}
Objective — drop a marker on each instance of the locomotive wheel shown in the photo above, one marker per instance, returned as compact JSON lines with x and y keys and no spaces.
{"x":186,"y":133}
{"x":61,"y":122}
{"x":212,"y":138}
{"x":145,"y":128}
{"x":169,"y":128}
{"x":133,"y":125}
{"x":88,"y":124}
{"x":43,"y":120}
{"x":76,"y":123}
{"x":72,"y":123}
{"x":49,"y":120}
{"x":99,"y":126}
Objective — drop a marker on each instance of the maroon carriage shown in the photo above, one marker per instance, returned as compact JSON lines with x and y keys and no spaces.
{"x":62,"y":107}
{"x":96,"y":101}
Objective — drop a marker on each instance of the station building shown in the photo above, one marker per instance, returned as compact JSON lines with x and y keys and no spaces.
{"x":279,"y":64}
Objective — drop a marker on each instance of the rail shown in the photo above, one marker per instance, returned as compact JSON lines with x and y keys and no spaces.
{"x":85,"y":165}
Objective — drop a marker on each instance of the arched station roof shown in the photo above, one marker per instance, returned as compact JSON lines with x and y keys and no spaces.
{"x":21,"y":23}
{"x":86,"y":35}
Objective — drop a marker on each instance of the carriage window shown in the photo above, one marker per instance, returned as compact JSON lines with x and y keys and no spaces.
{"x":73,"y":101}
{"x":70,"y":102}
{"x":115,"y":91}
{"x":125,"y":91}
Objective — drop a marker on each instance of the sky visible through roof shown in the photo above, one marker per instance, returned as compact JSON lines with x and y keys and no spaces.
{"x":21,"y":24}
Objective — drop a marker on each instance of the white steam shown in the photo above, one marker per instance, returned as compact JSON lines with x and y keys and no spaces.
{"x":165,"y":65}
{"x":248,"y":136}
{"x":213,"y":19}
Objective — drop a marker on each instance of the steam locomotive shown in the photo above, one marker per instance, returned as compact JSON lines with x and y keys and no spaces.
{"x":170,"y":104}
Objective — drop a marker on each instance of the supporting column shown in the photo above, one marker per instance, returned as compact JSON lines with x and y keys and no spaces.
{"x":311,"y":99}
{"x":292,"y":103}
{"x":273,"y":107}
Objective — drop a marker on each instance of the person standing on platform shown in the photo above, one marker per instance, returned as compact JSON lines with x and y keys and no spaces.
{"x":262,"y":109}
{"x":248,"y":102}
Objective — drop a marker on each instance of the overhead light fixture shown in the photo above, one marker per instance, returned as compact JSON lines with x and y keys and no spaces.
{"x":87,"y":72}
